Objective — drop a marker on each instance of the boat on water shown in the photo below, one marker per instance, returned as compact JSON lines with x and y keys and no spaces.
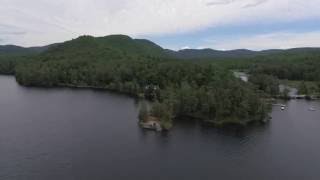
{"x":282,"y":106}
{"x":312,"y":109}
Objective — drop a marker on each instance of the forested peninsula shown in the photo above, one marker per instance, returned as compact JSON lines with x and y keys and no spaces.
{"x":202,"y":87}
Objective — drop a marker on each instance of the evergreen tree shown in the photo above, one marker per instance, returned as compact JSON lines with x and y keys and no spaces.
{"x":143,"y":111}
{"x":303,"y":88}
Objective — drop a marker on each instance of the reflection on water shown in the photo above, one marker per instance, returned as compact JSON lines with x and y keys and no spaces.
{"x":84,"y":134}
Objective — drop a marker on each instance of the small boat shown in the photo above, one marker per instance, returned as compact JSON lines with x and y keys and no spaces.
{"x":312,"y":109}
{"x":283,"y":107}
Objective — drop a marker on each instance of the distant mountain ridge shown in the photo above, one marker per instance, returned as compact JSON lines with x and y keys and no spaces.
{"x":209,"y":53}
{"x":18,"y":50}
{"x":125,"y":45}
{"x":237,"y":53}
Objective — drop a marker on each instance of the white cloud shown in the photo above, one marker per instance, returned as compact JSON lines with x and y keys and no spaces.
{"x":184,"y":47}
{"x":282,"y":40}
{"x":47,"y":21}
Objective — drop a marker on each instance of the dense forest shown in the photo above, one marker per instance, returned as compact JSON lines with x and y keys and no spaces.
{"x":204,"y":89}
{"x":300,"y":67}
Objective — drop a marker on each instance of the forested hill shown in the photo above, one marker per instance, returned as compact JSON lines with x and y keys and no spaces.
{"x":108,"y":47}
{"x":113,"y":46}
{"x":82,"y":48}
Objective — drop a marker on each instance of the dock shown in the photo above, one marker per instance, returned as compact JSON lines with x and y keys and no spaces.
{"x":152,"y":124}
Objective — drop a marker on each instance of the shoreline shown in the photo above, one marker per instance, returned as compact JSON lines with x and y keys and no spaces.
{"x":218,"y":124}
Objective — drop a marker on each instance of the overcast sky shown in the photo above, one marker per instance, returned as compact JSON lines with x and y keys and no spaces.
{"x":175,"y":24}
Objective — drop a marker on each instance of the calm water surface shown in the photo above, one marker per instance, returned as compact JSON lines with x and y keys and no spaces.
{"x":69,"y":134}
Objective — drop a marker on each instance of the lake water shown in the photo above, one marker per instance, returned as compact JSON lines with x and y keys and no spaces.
{"x":69,"y":134}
